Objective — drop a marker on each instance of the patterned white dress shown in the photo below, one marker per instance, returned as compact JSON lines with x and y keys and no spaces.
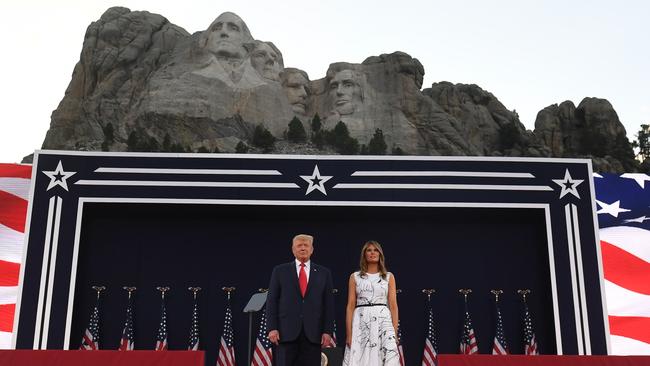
{"x":373,"y":336}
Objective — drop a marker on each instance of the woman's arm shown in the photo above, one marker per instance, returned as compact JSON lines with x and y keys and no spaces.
{"x":349,"y":309}
{"x":392,"y":302}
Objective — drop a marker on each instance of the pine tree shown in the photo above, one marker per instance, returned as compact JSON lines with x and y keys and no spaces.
{"x":263,"y":138}
{"x":296,"y":131}
{"x":132,"y":142}
{"x":377,"y":144}
{"x":341,"y":140}
{"x":643,"y":142}
{"x":241,"y":148}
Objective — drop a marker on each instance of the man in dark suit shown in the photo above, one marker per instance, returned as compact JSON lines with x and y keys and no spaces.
{"x":300,"y":307}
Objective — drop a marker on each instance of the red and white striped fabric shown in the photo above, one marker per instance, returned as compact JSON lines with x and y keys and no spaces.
{"x":626,"y":265}
{"x":14,"y":194}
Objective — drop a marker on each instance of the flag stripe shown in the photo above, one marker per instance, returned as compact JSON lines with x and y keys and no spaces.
{"x":262,"y":357}
{"x":630,"y":239}
{"x":13,"y":211}
{"x":628,"y":346}
{"x":429,"y":356}
{"x":8,"y":294}
{"x":9,"y":273}
{"x":14,"y":193}
{"x":630,"y":326}
{"x":625,"y":269}
{"x":17,"y":186}
{"x":11,"y":244}
{"x":622,"y":302}
{"x":7,"y":317}
{"x":15,"y":170}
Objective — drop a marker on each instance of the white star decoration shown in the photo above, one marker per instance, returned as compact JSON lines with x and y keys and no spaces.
{"x":568,"y":184}
{"x":612,"y":209}
{"x":58,"y":177}
{"x":638,"y":177}
{"x":316,"y":181}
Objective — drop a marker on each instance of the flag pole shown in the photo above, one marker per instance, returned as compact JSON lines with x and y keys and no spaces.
{"x":250,"y":329}
{"x":194,"y":341}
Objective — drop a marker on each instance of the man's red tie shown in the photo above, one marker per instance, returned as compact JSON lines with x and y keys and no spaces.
{"x":302,"y":279}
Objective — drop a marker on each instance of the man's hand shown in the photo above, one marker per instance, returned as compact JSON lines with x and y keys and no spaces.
{"x":325,"y":340}
{"x":274,"y":337}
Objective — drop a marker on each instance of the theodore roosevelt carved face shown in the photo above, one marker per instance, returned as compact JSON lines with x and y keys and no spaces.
{"x":296,"y":86}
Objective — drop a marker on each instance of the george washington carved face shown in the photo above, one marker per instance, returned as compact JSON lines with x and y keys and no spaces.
{"x":227,"y":35}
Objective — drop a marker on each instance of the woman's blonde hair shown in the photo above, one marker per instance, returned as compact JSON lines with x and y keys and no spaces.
{"x":363,"y":263}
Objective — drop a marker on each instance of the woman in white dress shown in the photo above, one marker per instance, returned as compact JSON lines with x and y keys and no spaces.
{"x":371,"y":314}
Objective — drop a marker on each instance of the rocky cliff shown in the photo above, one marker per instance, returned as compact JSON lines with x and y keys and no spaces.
{"x":143,"y":83}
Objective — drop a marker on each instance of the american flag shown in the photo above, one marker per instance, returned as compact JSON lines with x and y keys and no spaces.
{"x":430,"y":356}
{"x":499,"y":346}
{"x":14,"y":194}
{"x":127,"y":343}
{"x":623,"y":207}
{"x":400,"y":347}
{"x":468,"y":344}
{"x":194,"y":329}
{"x":90,"y":340}
{"x":161,"y":337}
{"x":263,"y":355}
{"x":334,"y":340}
{"x":226,"y":344}
{"x":530,"y":343}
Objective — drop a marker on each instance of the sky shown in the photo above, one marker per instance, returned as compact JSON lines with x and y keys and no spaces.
{"x":529,"y":54}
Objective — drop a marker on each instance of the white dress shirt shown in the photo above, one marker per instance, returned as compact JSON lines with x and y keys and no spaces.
{"x":307,"y":267}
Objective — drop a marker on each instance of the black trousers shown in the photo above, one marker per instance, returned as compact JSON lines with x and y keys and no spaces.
{"x":300,"y":352}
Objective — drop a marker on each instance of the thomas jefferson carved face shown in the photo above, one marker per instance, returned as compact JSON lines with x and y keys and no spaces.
{"x":227,"y":35}
{"x":295,"y":86}
{"x":266,"y":61}
{"x":345,"y":91}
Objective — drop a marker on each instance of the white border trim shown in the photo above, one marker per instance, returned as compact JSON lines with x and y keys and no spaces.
{"x":73,"y":269}
{"x":313,"y":157}
{"x":186,"y":171}
{"x":480,"y":187}
{"x":21,"y":278}
{"x":574,"y":279}
{"x":44,"y":265}
{"x":189,"y":183}
{"x":601,"y":273}
{"x":50,"y":279}
{"x":551,"y":265}
{"x":449,"y":173}
{"x":581,"y":274}
{"x":117,"y":200}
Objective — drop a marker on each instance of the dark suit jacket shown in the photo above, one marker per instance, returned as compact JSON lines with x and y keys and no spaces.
{"x":289,"y":313}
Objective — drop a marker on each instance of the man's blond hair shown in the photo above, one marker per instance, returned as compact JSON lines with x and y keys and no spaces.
{"x":309,"y":238}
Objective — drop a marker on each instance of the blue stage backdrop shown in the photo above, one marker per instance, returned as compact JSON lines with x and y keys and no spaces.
{"x":150,"y":220}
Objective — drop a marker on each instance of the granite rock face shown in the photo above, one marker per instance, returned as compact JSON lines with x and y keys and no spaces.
{"x":120,"y":51}
{"x":143,"y":83}
{"x":590,"y":130}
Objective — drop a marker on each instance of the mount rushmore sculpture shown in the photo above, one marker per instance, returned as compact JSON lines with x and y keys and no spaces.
{"x":142,"y":77}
